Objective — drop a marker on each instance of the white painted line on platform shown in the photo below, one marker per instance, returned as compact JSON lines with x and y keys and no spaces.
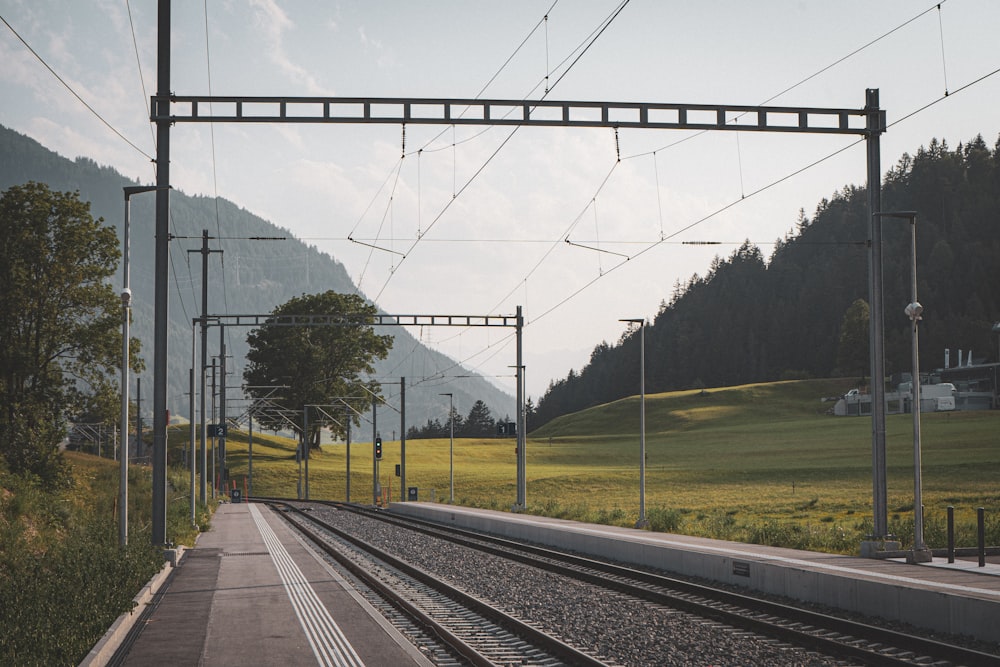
{"x":328,"y":643}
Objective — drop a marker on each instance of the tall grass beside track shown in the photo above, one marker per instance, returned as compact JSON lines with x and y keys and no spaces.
{"x":63,"y":577}
{"x":759,"y":463}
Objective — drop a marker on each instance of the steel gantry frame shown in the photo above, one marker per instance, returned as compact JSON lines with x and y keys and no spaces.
{"x":515,"y":321}
{"x":167,"y":109}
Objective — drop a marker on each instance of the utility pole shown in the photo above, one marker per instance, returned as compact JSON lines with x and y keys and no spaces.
{"x":161,"y":110}
{"x":375,"y":484}
{"x":402,"y":439}
{"x":220,"y":428}
{"x":874,"y":127}
{"x":205,"y":252}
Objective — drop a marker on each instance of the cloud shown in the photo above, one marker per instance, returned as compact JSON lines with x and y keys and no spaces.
{"x":275,"y":25}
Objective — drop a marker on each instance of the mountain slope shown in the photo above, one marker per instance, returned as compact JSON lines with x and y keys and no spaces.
{"x":248,"y":277}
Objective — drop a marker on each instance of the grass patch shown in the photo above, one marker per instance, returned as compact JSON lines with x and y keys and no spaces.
{"x":758,"y":463}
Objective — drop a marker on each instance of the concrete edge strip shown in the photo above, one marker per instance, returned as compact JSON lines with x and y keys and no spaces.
{"x":746,"y":555}
{"x":104,"y":650}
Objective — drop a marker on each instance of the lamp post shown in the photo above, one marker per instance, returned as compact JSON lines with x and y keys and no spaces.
{"x":641,"y":523}
{"x":451,"y":448}
{"x":920,"y":554}
{"x":126,"y":307}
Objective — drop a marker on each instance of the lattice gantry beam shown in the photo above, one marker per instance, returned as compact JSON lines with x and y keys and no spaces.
{"x":374,"y":320}
{"x":427,"y":111}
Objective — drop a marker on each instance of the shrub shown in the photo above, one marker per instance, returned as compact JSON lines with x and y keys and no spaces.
{"x":59,"y":603}
{"x":663,"y":520}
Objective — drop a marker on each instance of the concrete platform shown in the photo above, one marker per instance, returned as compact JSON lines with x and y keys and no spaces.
{"x":250,"y":593}
{"x":955,"y":598}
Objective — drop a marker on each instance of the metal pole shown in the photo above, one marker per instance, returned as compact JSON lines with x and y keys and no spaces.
{"x":221,"y":428}
{"x":522,"y":439}
{"x":951,"y":534}
{"x":126,"y":311}
{"x":921,"y":554}
{"x":347,"y":491}
{"x":981,"y":535}
{"x":374,"y":460}
{"x":402,"y":439}
{"x":451,"y":447}
{"x":641,"y":523}
{"x":250,"y":456}
{"x":642,"y":426}
{"x":204,"y":363}
{"x":162,"y":275}
{"x":126,"y":301}
{"x":305,"y":439}
{"x":875,"y":125}
{"x":216,"y":435}
{"x":191,"y":455}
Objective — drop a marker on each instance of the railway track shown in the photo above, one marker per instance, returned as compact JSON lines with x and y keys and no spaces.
{"x":847,"y":641}
{"x":470,"y":630}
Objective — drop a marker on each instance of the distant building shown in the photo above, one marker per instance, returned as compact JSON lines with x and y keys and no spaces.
{"x":969,"y":387}
{"x":977,"y":385}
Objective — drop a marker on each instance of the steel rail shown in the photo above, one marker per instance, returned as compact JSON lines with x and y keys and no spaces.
{"x":774,"y":619}
{"x":526,"y":632}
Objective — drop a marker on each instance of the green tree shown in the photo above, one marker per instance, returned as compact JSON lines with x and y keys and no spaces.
{"x":480,"y":422}
{"x":320,"y":364}
{"x":852,"y":352}
{"x":60,"y":321}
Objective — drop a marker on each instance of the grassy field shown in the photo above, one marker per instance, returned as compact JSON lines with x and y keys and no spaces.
{"x":758,"y":463}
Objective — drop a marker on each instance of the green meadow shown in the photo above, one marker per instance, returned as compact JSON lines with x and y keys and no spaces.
{"x":760,"y":463}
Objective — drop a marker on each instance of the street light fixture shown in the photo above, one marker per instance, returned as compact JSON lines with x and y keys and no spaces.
{"x":920,"y":554}
{"x":641,"y":523}
{"x":451,"y":448}
{"x":126,"y":307}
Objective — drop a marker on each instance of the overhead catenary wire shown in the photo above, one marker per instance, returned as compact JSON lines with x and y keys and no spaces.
{"x":215,"y":170}
{"x":664,"y":237}
{"x":815,"y":74}
{"x":73,"y":92}
{"x":763,"y":188}
{"x":597,"y":33}
{"x":944,"y":65}
{"x":138,"y":62}
{"x":744,"y":195}
{"x":103,"y":120}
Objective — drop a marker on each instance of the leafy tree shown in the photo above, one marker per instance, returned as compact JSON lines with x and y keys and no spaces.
{"x":60,"y":321}
{"x":320,"y":364}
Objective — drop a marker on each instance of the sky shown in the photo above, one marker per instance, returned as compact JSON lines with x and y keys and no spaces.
{"x":474,"y":220}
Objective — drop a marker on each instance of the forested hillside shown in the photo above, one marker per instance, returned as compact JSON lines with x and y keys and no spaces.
{"x":751,"y":318}
{"x":249,"y":277}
